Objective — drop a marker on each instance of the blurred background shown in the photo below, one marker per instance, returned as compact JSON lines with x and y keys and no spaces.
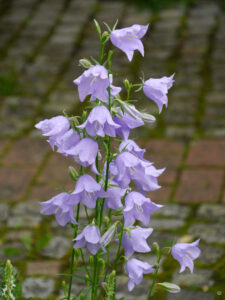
{"x":41,"y":42}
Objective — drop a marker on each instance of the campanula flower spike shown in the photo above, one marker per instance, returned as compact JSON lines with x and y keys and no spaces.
{"x":114,"y":175}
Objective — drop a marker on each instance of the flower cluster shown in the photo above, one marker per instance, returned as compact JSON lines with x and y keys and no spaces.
{"x":118,"y":173}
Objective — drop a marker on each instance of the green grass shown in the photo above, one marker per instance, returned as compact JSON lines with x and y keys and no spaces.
{"x":9,"y":84}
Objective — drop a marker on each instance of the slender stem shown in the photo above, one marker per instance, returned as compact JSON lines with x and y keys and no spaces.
{"x":83,"y":260}
{"x":153,"y":282}
{"x":119,"y":247}
{"x":73,"y":255}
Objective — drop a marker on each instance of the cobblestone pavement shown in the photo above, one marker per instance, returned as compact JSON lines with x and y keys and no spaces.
{"x":41,"y":42}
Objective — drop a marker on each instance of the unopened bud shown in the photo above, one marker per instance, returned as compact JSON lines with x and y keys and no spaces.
{"x":108,"y":235}
{"x":73,"y":173}
{"x":105,"y":36}
{"x":90,"y":260}
{"x":126,"y":84}
{"x":169,"y":287}
{"x":85,"y":63}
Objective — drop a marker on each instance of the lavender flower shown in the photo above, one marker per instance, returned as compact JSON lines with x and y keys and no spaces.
{"x":67,"y":141}
{"x":62,"y":206}
{"x":135,"y":269}
{"x":54,"y":128}
{"x":89,"y":237}
{"x":185,"y":253}
{"x":128,"y":39}
{"x":87,"y":191}
{"x":95,"y":82}
{"x":126,"y":123}
{"x":100,"y":122}
{"x":85,"y":153}
{"x":132,"y":147}
{"x":113,"y":196}
{"x":128,"y":167}
{"x":138,"y":207}
{"x":157,"y":89}
{"x":135,"y":241}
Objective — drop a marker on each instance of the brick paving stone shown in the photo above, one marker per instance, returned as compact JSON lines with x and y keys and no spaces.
{"x":37,"y":287}
{"x":4,"y":212}
{"x":173,"y":210}
{"x":207,"y":153}
{"x":56,"y":171}
{"x":43,"y":192}
{"x":199,"y":185}
{"x":18,"y":235}
{"x":13,"y":183}
{"x":160,"y":196}
{"x":48,"y":268}
{"x":209,"y":254}
{"x":13,"y":251}
{"x":166,"y":224}
{"x":26,"y":153}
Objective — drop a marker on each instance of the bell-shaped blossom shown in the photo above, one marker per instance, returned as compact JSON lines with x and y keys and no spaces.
{"x":87,"y":191}
{"x":138,"y":207}
{"x":54,"y":128}
{"x":129,"y":39}
{"x":127,"y":167}
{"x":135,"y":241}
{"x":89,"y":237}
{"x":113,"y":196}
{"x":95,"y":82}
{"x":85,"y":153}
{"x":135,"y":269}
{"x":67,"y":141}
{"x":185,"y":253}
{"x":132,"y":147}
{"x":126,"y":123}
{"x":157,"y":89}
{"x":62,"y":206}
{"x":99,"y":122}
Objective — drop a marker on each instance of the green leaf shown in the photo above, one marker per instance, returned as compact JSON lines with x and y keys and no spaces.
{"x":98,"y":28}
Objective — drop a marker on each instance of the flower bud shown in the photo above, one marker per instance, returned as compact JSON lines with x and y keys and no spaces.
{"x":73,"y":173}
{"x":90,"y":260}
{"x":147,"y":118}
{"x":126,"y":84}
{"x":169,"y":287}
{"x":85,"y":63}
{"x":108,"y":235}
{"x":105,"y":36}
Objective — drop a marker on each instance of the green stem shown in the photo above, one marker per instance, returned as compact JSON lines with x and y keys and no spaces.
{"x":73,"y":254}
{"x":84,"y":263}
{"x":119,"y":247}
{"x":153,"y":282}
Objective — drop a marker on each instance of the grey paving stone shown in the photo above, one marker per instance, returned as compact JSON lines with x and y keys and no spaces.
{"x":139,"y":292}
{"x":57,"y":247}
{"x":212,"y":212}
{"x":166,"y":224}
{"x":26,"y":221}
{"x":190,"y":295}
{"x":210,"y":233}
{"x":38,"y":287}
{"x":209,"y":254}
{"x":173,"y":210}
{"x":4,"y":212}
{"x":163,"y":238}
{"x":199,"y":278}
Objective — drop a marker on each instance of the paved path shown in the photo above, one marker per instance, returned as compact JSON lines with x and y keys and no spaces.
{"x":41,"y":42}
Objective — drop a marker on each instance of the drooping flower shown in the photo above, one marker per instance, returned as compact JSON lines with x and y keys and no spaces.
{"x":135,"y":241}
{"x":126,"y":123}
{"x":54,"y":128}
{"x":185,"y":253}
{"x":67,"y":141}
{"x":138,"y":207}
{"x":95,"y":82}
{"x":157,"y":89}
{"x":132,"y":147}
{"x":128,"y":39}
{"x":62,"y":206}
{"x":99,"y":122}
{"x":113,"y":196}
{"x":135,"y":269}
{"x":127,"y":167}
{"x":87,"y":191}
{"x":85,"y":153}
{"x":89,"y":237}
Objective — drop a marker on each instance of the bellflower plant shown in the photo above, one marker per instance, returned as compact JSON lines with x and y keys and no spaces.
{"x":113,"y":178}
